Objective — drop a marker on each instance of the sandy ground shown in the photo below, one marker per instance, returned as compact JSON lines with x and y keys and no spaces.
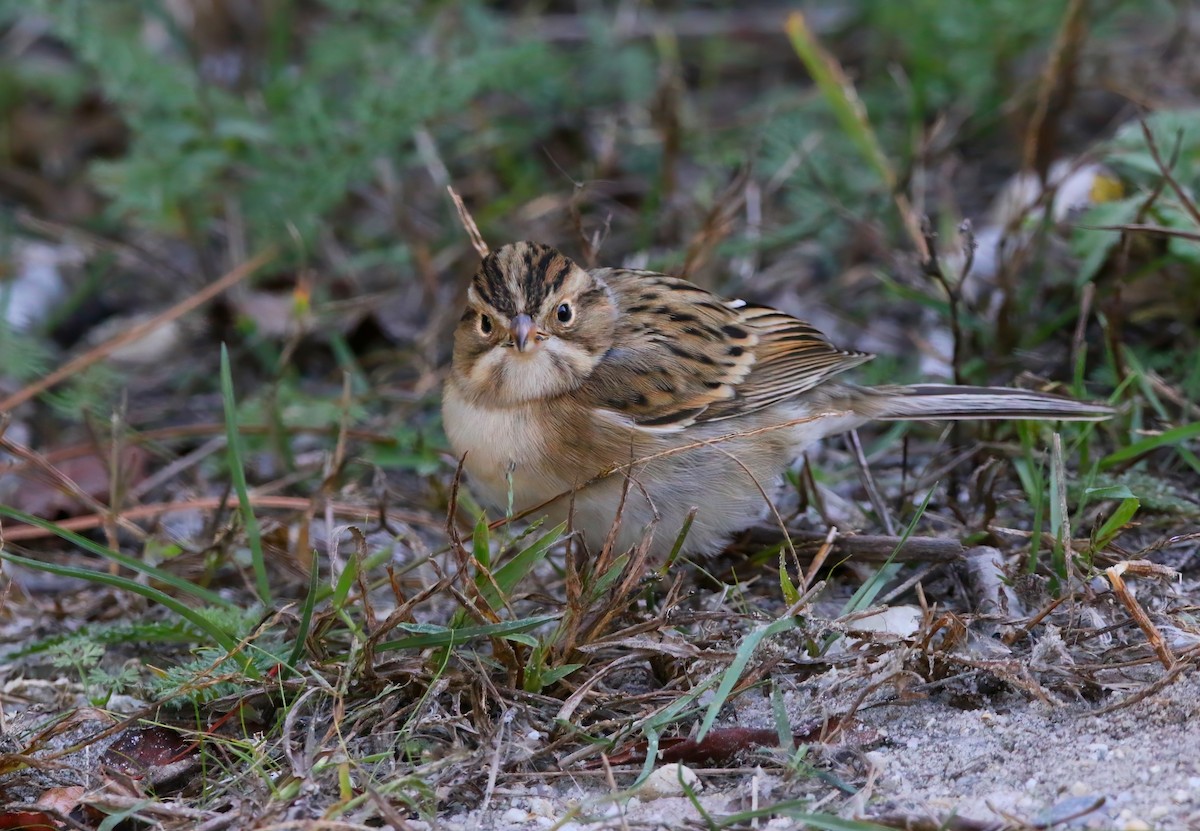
{"x":1014,"y":760}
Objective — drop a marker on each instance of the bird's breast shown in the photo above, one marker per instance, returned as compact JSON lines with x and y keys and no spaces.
{"x":506,"y":450}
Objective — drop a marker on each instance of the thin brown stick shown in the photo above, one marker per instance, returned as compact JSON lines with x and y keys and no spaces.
{"x":1055,"y":83}
{"x":1009,"y":638}
{"x":819,"y":558}
{"x":105,"y":349}
{"x":468,"y":223}
{"x":870,"y":548}
{"x":13,"y":533}
{"x":1164,"y":167}
{"x":58,"y":479}
{"x":868,"y":481}
{"x":190,"y":431}
{"x":1139,"y":615}
{"x":1187,"y":660}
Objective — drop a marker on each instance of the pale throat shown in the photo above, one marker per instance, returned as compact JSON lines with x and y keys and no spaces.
{"x":504,"y":377}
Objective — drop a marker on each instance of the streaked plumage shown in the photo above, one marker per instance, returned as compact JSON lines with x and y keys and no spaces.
{"x":561,"y":376}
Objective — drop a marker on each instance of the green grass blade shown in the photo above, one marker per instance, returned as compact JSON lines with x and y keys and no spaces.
{"x":238,"y":470}
{"x":511,"y":573}
{"x":733,"y":672}
{"x":345,"y":580}
{"x":440,"y":636}
{"x":174,"y":581}
{"x":839,"y":92}
{"x":306,"y":613}
{"x":218,"y":635}
{"x":1176,"y":435}
{"x":481,"y":542}
{"x":869,"y":590}
{"x":1119,"y":519}
{"x":652,"y":727}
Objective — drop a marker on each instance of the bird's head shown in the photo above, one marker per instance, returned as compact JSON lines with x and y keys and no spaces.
{"x":535,"y":326}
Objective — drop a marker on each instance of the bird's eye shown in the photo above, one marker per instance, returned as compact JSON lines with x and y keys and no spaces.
{"x":485,"y":324}
{"x":564,"y":313}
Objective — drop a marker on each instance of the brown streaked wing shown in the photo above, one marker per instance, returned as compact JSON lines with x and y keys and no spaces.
{"x":681,"y":350}
{"x":791,"y":358}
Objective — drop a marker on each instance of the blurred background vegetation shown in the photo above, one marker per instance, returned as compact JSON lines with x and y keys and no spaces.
{"x":149,"y":146}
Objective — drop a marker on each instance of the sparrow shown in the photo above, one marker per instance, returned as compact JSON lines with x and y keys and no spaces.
{"x":615,"y":395}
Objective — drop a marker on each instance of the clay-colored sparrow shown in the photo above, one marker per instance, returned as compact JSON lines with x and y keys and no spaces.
{"x":574,"y":385}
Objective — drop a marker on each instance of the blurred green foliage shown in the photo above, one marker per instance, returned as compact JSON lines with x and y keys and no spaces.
{"x":312,"y":112}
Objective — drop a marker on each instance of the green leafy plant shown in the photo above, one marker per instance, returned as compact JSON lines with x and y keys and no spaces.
{"x":84,"y":655}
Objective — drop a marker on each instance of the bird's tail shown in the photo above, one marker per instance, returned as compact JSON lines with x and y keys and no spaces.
{"x":947,"y":401}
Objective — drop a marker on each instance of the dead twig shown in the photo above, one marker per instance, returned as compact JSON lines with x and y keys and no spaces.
{"x":1114,"y":575}
{"x":1054,"y":88}
{"x":103,"y":350}
{"x":468,"y":223}
{"x":14,"y":533}
{"x":1187,"y":660}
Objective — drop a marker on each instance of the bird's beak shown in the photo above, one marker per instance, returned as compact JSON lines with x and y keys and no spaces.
{"x":523,"y":331}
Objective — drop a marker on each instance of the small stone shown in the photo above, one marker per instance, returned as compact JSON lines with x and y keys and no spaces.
{"x":669,"y":780}
{"x":1180,"y":797}
{"x":1080,"y":789}
{"x":515,"y":815}
{"x":540,"y":807}
{"x":1159,"y":811}
{"x":878,"y":760}
{"x":1194,"y":782}
{"x":1136,"y":825}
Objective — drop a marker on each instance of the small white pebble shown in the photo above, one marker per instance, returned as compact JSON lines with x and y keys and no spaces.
{"x":1194,"y":782}
{"x":879,"y":760}
{"x":1136,"y":825}
{"x":1080,"y":789}
{"x":515,"y":815}
{"x":1181,"y":796}
{"x":1159,"y":811}
{"x":669,"y":780}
